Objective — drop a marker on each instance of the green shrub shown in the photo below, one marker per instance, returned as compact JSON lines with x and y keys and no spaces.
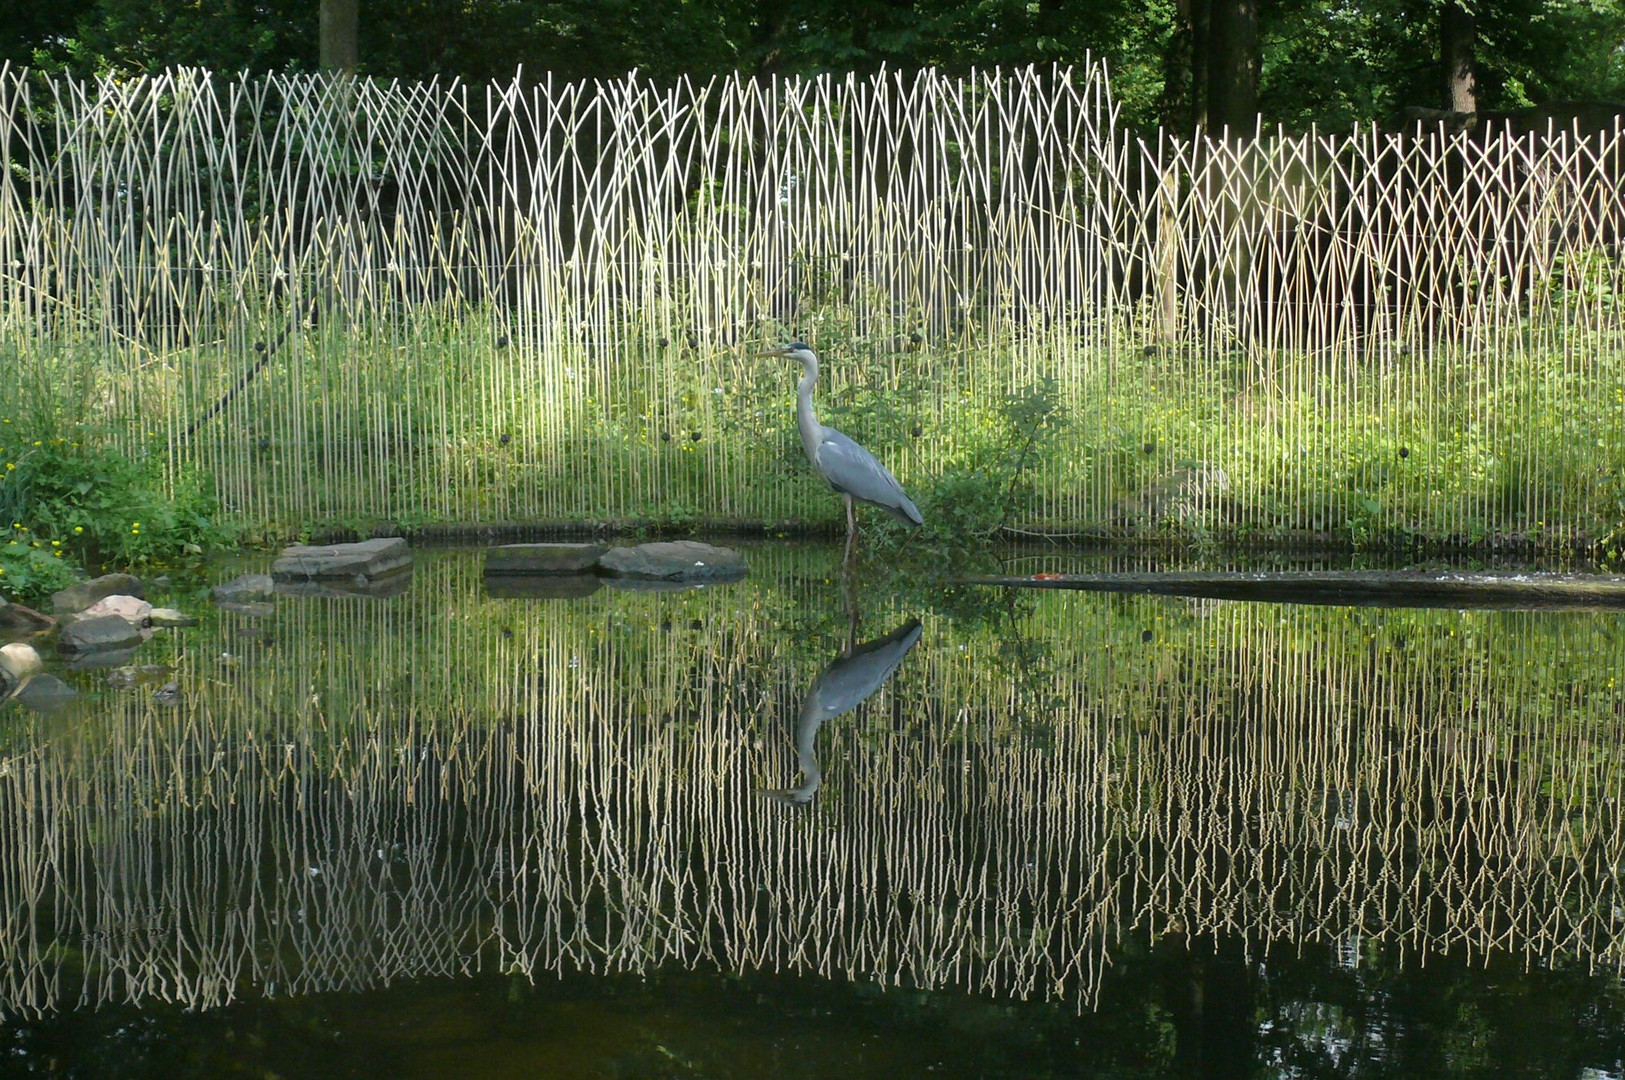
{"x":104,"y":506}
{"x":32,"y":569}
{"x":70,"y":498}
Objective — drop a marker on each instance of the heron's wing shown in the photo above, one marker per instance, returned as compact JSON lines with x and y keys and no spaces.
{"x":850,"y":680}
{"x":842,"y":686}
{"x":852,"y":470}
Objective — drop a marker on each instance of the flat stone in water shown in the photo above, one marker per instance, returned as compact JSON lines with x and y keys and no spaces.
{"x":537,"y":559}
{"x":76,"y":598}
{"x":360,"y":562}
{"x":1357,"y":588}
{"x":673,"y":560}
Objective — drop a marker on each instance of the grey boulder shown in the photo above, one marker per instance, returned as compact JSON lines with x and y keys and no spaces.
{"x":76,"y":598}
{"x":98,"y":634}
{"x":673,"y":560}
{"x":132,"y":609}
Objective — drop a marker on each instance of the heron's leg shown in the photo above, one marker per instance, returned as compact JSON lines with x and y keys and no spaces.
{"x":851,"y":597}
{"x":851,"y":529}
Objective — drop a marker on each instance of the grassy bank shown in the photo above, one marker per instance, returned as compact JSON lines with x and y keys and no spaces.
{"x":442,"y":418}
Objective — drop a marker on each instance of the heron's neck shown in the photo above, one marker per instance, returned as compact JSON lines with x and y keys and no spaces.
{"x":812,"y":718}
{"x":811,"y":429}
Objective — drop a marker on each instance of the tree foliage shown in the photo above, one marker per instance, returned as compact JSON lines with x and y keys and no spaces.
{"x":1326,"y":62}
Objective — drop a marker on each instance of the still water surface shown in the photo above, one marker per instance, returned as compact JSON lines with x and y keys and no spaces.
{"x":727,"y":833}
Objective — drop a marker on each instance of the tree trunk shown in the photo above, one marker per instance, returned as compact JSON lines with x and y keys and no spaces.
{"x":1232,"y":95}
{"x":1184,"y":71}
{"x":1457,"y":33}
{"x":1201,"y":45}
{"x":339,"y":31}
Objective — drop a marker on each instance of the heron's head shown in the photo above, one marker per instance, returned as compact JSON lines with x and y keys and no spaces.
{"x":798,"y":351}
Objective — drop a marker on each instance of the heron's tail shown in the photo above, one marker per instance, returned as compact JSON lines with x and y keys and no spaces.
{"x":905,"y":511}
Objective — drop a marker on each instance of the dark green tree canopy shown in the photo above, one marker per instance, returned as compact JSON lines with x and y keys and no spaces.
{"x":1327,"y":62}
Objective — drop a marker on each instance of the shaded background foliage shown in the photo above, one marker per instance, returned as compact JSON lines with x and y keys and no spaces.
{"x":1328,"y":62}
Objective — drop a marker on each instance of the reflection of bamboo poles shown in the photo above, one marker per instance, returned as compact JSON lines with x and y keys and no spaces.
{"x":390,"y":790}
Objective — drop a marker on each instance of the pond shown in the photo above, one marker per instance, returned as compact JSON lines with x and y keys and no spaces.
{"x":684,"y":834}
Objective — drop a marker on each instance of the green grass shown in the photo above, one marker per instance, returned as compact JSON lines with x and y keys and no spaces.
{"x":438,"y":417}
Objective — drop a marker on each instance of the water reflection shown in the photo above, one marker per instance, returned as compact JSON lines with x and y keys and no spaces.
{"x":849,"y":681}
{"x":361,"y":791}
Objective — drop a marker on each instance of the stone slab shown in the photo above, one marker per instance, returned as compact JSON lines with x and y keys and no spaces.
{"x":361,"y":562}
{"x":673,"y":560}
{"x":1354,"y":588}
{"x":536,"y":559}
{"x":76,"y":598}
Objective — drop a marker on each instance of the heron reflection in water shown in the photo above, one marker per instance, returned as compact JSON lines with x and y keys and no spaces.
{"x":841,"y":687}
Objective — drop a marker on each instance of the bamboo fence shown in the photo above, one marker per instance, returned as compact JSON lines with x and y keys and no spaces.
{"x":442,"y":784}
{"x":536,"y":301}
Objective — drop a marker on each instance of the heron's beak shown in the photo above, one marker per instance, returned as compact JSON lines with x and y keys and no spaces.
{"x":774,"y":352}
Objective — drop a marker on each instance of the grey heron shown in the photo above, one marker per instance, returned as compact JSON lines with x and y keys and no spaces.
{"x":841,"y":687}
{"x":848,"y":467}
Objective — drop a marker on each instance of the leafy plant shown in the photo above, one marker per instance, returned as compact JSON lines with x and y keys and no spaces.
{"x":31,"y":569}
{"x":105,"y":506}
{"x":72,"y":498}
